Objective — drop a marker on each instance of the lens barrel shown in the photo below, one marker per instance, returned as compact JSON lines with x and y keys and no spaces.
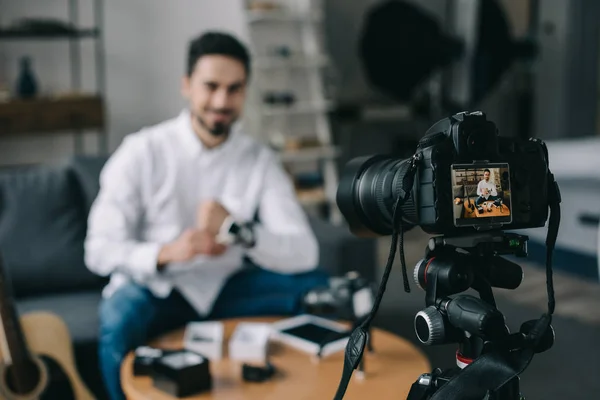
{"x":368,"y":191}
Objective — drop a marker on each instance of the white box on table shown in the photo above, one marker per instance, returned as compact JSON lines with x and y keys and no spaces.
{"x":205,"y":338}
{"x":250,"y":342}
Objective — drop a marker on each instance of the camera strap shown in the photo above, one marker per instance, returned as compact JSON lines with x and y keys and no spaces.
{"x":358,"y":339}
{"x":495,"y":368}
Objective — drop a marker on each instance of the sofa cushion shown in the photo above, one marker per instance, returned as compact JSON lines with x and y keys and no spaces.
{"x":42,"y":230}
{"x":79,"y":311}
{"x":87,"y":171}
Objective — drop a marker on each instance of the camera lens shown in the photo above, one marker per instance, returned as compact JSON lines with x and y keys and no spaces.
{"x":368,"y":190}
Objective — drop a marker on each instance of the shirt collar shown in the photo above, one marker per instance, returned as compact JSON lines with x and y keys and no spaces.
{"x":192,"y":143}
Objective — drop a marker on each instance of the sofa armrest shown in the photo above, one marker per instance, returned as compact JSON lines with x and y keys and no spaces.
{"x":341,"y":251}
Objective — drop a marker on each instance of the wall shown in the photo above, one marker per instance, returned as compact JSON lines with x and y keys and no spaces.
{"x":145,"y":44}
{"x":567,"y":69}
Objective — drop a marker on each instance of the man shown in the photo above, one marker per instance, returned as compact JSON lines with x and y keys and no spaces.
{"x":182,"y":204}
{"x":486,"y":190}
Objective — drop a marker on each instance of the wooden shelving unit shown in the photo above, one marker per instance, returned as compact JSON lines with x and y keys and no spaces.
{"x":72,"y":112}
{"x":78,"y":34}
{"x":48,"y":115}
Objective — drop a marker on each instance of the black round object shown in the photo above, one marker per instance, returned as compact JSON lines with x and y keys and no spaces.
{"x":401,"y":45}
{"x":254,"y":373}
{"x":367,"y":193}
{"x":429,"y":326}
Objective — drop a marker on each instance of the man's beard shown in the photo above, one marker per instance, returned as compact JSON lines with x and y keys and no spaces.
{"x":219,"y":129}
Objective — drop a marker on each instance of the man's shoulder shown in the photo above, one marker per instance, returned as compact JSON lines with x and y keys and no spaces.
{"x":253,"y":148}
{"x":157,"y":132}
{"x":150,"y":136}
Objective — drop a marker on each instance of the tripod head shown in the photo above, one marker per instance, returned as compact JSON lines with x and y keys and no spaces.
{"x":451,"y":266}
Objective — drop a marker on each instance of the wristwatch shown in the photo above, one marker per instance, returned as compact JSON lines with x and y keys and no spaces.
{"x":234,"y":232}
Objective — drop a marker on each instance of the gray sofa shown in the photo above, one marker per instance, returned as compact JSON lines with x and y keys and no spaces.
{"x":43,"y":222}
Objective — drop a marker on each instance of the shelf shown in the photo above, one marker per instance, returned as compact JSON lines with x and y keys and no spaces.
{"x":275,"y":15}
{"x":309,"y":154}
{"x":44,"y":115}
{"x":311,"y":197}
{"x":298,"y":108}
{"x":24,"y":35}
{"x":291,"y":62}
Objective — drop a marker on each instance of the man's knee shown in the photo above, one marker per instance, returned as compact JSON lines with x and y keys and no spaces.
{"x":310,"y":280}
{"x":124,"y":317}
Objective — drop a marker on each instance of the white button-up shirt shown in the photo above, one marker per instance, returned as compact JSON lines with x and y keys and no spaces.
{"x":150,"y":190}
{"x":490,"y":186}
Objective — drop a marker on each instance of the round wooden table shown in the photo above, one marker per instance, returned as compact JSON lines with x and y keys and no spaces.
{"x":390,"y":371}
{"x":501,"y":211}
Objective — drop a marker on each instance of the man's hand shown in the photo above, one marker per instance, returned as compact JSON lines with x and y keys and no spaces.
{"x":210,"y":217}
{"x":486,"y":191}
{"x":191,"y":243}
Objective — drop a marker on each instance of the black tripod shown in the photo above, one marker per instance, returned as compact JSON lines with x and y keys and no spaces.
{"x":452,"y":266}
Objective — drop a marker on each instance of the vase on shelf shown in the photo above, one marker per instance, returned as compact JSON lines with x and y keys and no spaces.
{"x":4,"y":87}
{"x":27,"y":86}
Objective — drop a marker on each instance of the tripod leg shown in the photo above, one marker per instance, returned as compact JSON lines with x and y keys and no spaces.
{"x":510,"y":391}
{"x":360,"y":374}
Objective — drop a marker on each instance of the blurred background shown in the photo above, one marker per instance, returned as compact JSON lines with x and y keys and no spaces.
{"x":332,"y":80}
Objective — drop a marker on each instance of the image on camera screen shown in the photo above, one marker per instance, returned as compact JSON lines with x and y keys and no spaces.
{"x":481,"y":194}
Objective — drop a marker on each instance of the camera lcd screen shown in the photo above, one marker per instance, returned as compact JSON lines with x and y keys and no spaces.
{"x":481,"y":194}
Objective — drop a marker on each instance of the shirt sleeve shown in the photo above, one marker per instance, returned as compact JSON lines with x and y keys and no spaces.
{"x":285,"y":242}
{"x":111,"y":243}
{"x":494,"y":191}
{"x":479,"y":188}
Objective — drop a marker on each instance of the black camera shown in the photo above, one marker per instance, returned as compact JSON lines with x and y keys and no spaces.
{"x":468,"y":185}
{"x":348,"y":297}
{"x":469,"y":178}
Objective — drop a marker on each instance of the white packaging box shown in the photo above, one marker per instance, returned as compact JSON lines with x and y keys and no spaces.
{"x":205,"y":338}
{"x":250,"y":342}
{"x":306,"y":333}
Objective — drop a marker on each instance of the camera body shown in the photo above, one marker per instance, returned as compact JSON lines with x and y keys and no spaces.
{"x":469,"y":142}
{"x":468,"y":179}
{"x":348,"y":297}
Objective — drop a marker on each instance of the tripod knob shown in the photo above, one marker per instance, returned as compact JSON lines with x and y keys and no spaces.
{"x":430,"y":327}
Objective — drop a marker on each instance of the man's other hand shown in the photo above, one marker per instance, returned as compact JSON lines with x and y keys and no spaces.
{"x":189,"y":244}
{"x":210,"y":217}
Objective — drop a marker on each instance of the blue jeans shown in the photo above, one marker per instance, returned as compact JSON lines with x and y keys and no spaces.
{"x":132,"y":315}
{"x":481,"y":199}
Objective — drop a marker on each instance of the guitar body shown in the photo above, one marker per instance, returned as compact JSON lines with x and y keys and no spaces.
{"x":50,"y":346}
{"x":468,"y":212}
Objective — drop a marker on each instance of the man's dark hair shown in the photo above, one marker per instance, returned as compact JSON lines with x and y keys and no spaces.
{"x":487,"y":170}
{"x":217,"y":43}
